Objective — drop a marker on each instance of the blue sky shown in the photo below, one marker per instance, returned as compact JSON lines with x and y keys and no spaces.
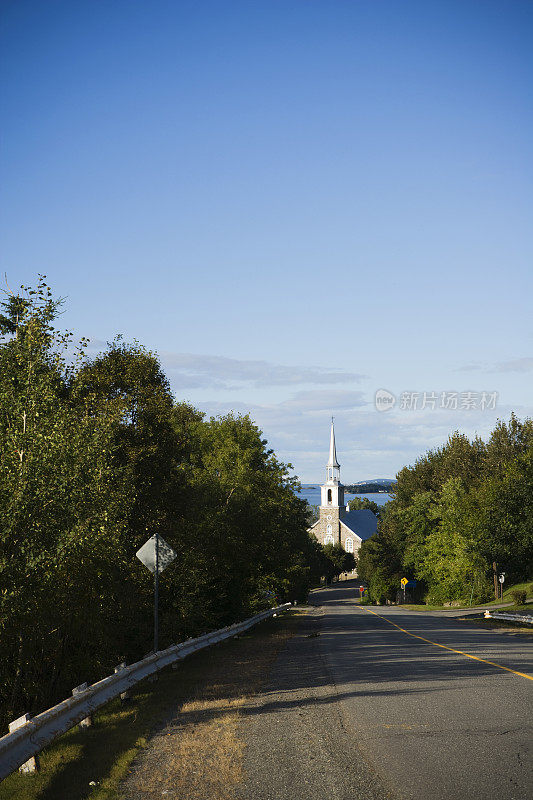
{"x":294,"y":203}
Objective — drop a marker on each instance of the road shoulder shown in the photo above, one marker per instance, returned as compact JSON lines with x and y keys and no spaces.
{"x":297,"y":742}
{"x":197,"y":752}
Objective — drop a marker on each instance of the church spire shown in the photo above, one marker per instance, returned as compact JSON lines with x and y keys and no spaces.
{"x":333,"y":467}
{"x":332,"y":449}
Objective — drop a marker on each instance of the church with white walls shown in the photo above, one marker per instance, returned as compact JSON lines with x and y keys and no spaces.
{"x":336,"y":523}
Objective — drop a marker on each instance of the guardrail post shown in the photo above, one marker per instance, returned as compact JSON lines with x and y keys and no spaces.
{"x":154,"y":677}
{"x":176,"y":664}
{"x":127,"y":694}
{"x":32,"y":764}
{"x":87,"y":721}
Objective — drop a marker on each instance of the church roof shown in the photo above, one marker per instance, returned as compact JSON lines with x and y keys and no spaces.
{"x":332,"y":462}
{"x":363,"y":523}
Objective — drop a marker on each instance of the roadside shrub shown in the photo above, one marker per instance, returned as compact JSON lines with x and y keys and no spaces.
{"x":519,"y":596}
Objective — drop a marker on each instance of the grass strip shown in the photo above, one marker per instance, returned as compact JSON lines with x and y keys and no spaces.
{"x":510,"y":627}
{"x":506,"y":625}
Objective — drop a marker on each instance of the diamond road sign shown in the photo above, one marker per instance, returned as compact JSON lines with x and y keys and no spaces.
{"x":146,"y":554}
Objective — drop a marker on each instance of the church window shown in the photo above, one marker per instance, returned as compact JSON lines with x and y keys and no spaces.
{"x":329,"y":495}
{"x":329,"y":539}
{"x":329,"y":530}
{"x":348,"y":545}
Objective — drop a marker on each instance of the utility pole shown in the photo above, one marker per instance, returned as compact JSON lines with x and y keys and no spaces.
{"x":496,"y":584}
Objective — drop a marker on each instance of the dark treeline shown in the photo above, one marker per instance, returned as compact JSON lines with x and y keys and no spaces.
{"x":96,"y":457}
{"x":458,"y":510}
{"x":370,"y":487}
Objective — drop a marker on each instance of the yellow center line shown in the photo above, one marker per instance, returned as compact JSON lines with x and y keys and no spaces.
{"x":444,"y":647}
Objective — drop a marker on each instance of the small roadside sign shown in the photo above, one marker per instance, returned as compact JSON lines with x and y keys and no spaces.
{"x":404,"y":582}
{"x":156,"y":555}
{"x":147,"y":554}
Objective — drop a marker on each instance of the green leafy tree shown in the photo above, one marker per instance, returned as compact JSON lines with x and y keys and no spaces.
{"x":364,"y":504}
{"x":253,"y":526}
{"x":154,"y":439}
{"x":415,"y":524}
{"x":452,"y":566}
{"x":378,"y":566}
{"x":503,"y":520}
{"x":337,"y":561}
{"x":448,"y":534}
{"x":507,"y":442}
{"x":379,"y":560}
{"x":60,"y":518}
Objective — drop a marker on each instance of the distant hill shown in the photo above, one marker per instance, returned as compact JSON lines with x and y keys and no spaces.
{"x":374,"y":485}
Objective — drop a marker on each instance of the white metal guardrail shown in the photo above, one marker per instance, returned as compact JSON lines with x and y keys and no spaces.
{"x":30,"y":736}
{"x":509,"y":617}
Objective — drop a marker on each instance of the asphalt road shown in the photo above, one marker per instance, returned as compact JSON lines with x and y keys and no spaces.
{"x":358,"y":708}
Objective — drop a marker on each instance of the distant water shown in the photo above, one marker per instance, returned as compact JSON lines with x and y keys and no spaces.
{"x":311,"y":493}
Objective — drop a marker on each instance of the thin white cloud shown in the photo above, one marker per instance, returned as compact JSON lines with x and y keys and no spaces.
{"x":192,"y":370}
{"x":515,"y":365}
{"x":474,"y":367}
{"x":325,"y":400}
{"x":512,"y":365}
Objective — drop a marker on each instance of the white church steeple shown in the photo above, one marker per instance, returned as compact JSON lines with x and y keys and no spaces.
{"x":332,"y":491}
{"x":333,"y":468}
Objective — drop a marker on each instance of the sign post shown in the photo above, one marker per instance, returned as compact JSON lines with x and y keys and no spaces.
{"x":404,"y":582}
{"x":361,"y":592}
{"x":156,"y":555}
{"x":156,"y":595}
{"x":501,"y":578}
